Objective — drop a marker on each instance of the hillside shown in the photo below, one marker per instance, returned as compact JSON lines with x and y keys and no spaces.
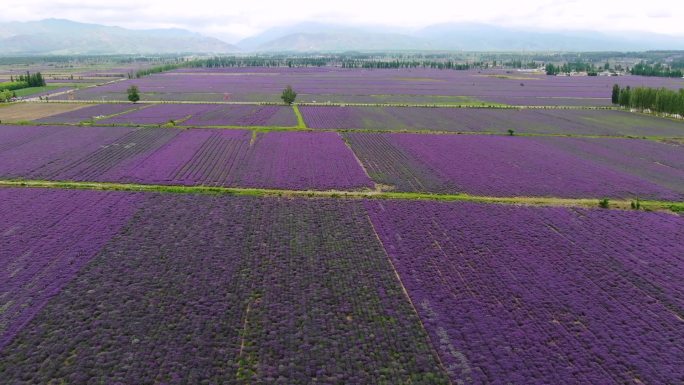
{"x":64,"y":37}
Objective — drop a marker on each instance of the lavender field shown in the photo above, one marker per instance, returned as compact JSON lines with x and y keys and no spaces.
{"x":195,"y":115}
{"x":542,"y":295}
{"x":235,"y":158}
{"x":46,"y":237}
{"x":211,"y":226}
{"x":368,"y":86}
{"x":279,"y":291}
{"x":521,"y":166}
{"x":531,"y":121}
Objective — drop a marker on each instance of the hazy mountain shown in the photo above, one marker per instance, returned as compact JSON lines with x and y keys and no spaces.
{"x":323,"y":37}
{"x":56,"y":36}
{"x":474,"y":37}
{"x":466,"y":36}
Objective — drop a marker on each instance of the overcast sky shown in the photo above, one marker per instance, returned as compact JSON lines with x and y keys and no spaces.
{"x":233,"y":20}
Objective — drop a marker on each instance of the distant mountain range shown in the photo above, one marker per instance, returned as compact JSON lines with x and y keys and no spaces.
{"x":450,"y":37}
{"x":64,"y":37}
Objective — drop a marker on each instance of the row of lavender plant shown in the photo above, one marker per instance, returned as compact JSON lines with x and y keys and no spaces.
{"x":403,"y":85}
{"x":185,"y":114}
{"x":535,"y":121}
{"x":46,"y":237}
{"x":279,"y":291}
{"x":245,"y":115}
{"x":286,"y":160}
{"x":502,"y":166}
{"x":659,"y":162}
{"x":542,"y":295}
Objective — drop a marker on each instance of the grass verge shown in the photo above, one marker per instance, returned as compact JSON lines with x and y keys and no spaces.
{"x":618,"y":204}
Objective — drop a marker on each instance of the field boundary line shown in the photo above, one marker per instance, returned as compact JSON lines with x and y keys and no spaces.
{"x":434,"y":350}
{"x":345,"y":130}
{"x":300,"y":119}
{"x":614,"y":204}
{"x":341,"y":104}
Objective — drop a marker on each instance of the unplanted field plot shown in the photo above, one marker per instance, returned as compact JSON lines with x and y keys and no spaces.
{"x":90,"y":113}
{"x":279,"y":291}
{"x":531,"y":121}
{"x":518,"y":166}
{"x":542,"y":295}
{"x":19,"y":112}
{"x":235,"y":158}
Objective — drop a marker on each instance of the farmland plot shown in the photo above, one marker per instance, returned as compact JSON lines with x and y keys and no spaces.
{"x":90,"y":113}
{"x":380,"y":86}
{"x":244,"y":115}
{"x":542,"y":295}
{"x":532,"y":121}
{"x":283,"y":160}
{"x":46,"y":237}
{"x":157,"y":114}
{"x":280,"y":291}
{"x":50,"y":152}
{"x":658,"y":162}
{"x":496,"y":166}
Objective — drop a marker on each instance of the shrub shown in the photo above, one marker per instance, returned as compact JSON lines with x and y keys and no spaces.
{"x":288,"y":95}
{"x":133,"y":94}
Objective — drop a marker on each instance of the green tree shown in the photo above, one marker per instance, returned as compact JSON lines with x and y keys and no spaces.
{"x":5,"y":95}
{"x":288,"y":95}
{"x":133,"y":94}
{"x":551,"y":69}
{"x":615,"y":97}
{"x":624,"y":97}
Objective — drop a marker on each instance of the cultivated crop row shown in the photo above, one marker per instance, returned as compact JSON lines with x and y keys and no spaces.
{"x":389,"y":165}
{"x":396,"y":85}
{"x":659,"y":162}
{"x":279,"y":291}
{"x":186,"y":114}
{"x":502,"y":166}
{"x":286,"y":160}
{"x":49,"y":152}
{"x":542,"y":295}
{"x":244,"y":115}
{"x":536,"y":121}
{"x":46,"y":237}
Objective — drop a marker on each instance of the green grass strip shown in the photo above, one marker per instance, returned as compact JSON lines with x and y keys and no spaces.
{"x":346,"y":104}
{"x":300,"y":119}
{"x":95,"y":123}
{"x":619,"y":204}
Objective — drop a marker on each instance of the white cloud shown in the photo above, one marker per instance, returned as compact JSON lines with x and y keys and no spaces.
{"x":233,"y":20}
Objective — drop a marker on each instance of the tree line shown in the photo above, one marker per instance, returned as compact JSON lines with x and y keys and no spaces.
{"x":16,"y":83}
{"x":396,"y":64}
{"x":654,"y":99}
{"x":657,"y":69}
{"x":229,"y":61}
{"x":552,"y":69}
{"x":24,"y":81}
